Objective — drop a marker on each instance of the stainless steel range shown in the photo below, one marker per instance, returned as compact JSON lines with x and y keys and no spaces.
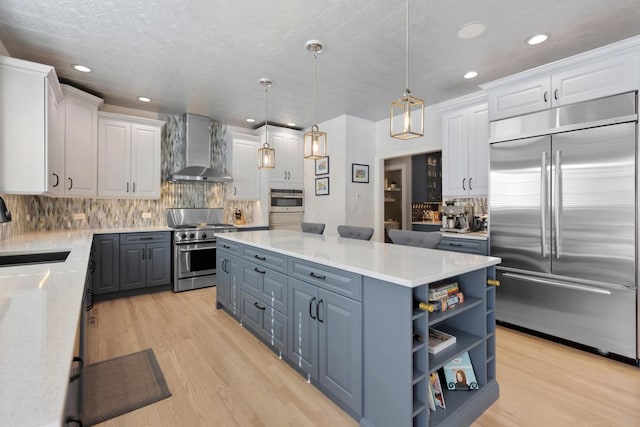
{"x":194,"y":246}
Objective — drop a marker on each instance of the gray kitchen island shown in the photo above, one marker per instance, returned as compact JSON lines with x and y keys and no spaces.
{"x":344,"y":314}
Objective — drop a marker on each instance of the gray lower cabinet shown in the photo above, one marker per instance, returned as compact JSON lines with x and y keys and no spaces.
{"x":425,"y":227}
{"x":325,"y":340}
{"x":145,"y":260}
{"x":227,"y":283}
{"x":267,"y":322}
{"x":106,"y":255}
{"x":461,"y":244}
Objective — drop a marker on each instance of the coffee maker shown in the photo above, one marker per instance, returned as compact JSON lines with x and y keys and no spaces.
{"x":454,"y":219}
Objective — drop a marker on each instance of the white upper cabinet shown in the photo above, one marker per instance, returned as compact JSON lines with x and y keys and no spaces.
{"x":75,"y":156}
{"x":29,"y":94}
{"x":242,"y":162}
{"x":563,"y":84}
{"x":465,"y":152}
{"x":289,"y":155}
{"x":128,"y":156}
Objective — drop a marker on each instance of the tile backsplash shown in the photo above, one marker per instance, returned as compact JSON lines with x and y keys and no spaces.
{"x":40,"y":213}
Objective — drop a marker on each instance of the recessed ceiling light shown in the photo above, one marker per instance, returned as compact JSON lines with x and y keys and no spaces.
{"x":470,"y":74}
{"x":250,"y":120}
{"x":471,"y":30}
{"x":537,"y":39}
{"x":291,"y":124}
{"x":82,"y":68}
{"x":144,"y":99}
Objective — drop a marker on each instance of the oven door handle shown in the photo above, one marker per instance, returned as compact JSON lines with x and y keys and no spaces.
{"x":196,"y":249}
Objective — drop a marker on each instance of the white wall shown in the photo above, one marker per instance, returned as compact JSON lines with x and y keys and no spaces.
{"x":3,"y":50}
{"x":360,"y":148}
{"x":329,"y":209}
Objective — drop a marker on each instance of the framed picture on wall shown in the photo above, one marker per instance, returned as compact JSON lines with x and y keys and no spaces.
{"x":359,"y":173}
{"x":322,"y":166}
{"x":322,"y":186}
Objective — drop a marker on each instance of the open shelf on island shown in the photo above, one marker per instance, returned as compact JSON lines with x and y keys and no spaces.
{"x":464,"y":342}
{"x":469,"y":303}
{"x":459,"y":402}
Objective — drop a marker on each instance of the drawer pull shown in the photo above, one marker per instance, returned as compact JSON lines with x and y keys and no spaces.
{"x":458,"y":245}
{"x":226,"y":246}
{"x":259,"y":271}
{"x":316,"y":276}
{"x":311,"y":309}
{"x":146,"y":238}
{"x":261,"y":258}
{"x":258,"y":306}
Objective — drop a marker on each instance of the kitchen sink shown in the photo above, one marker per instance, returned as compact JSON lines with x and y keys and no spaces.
{"x":12,"y":259}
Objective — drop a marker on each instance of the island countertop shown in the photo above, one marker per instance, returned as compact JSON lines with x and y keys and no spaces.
{"x":403,"y":265}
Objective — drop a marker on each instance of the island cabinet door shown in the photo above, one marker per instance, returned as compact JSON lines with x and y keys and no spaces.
{"x":340,"y":347}
{"x":303,"y":326}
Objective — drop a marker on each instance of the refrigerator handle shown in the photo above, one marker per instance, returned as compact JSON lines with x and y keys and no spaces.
{"x":557,"y":204}
{"x":558,"y":283}
{"x":543,"y":204}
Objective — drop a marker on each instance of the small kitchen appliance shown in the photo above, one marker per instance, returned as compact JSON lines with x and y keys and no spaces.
{"x":454,"y":219}
{"x":194,"y":246}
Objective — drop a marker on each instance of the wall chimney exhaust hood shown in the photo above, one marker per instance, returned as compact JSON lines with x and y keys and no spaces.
{"x":198,"y":159}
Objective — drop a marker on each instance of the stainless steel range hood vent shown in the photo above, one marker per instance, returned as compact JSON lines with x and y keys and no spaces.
{"x":199,"y":164}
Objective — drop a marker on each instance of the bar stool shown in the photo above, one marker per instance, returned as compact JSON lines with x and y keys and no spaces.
{"x":419,"y":239}
{"x":353,"y":232}
{"x":312,"y":227}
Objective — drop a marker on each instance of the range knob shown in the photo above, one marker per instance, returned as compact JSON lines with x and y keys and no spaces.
{"x":183,"y":236}
{"x":204,"y":235}
{"x":192,"y":235}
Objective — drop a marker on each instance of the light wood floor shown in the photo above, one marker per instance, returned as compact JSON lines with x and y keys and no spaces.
{"x":220,"y":375}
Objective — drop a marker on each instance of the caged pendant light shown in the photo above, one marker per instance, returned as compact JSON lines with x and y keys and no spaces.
{"x":407,"y":113}
{"x":315,"y":142}
{"x":266,"y":154}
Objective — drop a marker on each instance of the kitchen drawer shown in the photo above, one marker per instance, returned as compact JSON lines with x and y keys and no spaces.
{"x":265,"y":284}
{"x":478,"y":247}
{"x":126,"y":238}
{"x":269,"y":259}
{"x":329,"y":278}
{"x":228,"y":246}
{"x":269,"y":324}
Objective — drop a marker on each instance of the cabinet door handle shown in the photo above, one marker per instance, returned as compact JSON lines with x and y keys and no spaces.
{"x":470,"y":182}
{"x":317,"y":276}
{"x":555,"y":94}
{"x":127,"y":187}
{"x":259,"y":271}
{"x":77,"y":375}
{"x":285,"y":174}
{"x":258,"y":306}
{"x":70,"y":184}
{"x":57,"y":180}
{"x":318,"y":311}
{"x":235,"y":190}
{"x":261,"y":258}
{"x":545,"y":97}
{"x":311,"y":309}
{"x":134,"y":187}
{"x":464,"y":180}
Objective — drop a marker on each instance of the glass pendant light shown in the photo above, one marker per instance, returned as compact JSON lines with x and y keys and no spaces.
{"x":407,"y":113}
{"x":266,"y":154}
{"x":315,"y":142}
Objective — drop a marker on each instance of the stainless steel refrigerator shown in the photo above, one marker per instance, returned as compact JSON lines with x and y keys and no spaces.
{"x":563,"y":218}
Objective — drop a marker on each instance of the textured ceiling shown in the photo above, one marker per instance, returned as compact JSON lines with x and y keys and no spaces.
{"x":206,"y":56}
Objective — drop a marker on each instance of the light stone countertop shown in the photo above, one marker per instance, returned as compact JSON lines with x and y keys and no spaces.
{"x":40,"y":306}
{"x":403,"y":265}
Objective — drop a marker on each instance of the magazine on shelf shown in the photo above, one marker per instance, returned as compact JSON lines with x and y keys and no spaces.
{"x":432,"y":402}
{"x":439,"y":340}
{"x":437,"y":291}
{"x":459,"y":373}
{"x":436,"y":388}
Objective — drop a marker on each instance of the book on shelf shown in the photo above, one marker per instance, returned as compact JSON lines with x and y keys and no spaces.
{"x":448,"y":302}
{"x":439,"y":340}
{"x":432,"y":401}
{"x":441,"y":290}
{"x":459,"y":373}
{"x":436,"y":388}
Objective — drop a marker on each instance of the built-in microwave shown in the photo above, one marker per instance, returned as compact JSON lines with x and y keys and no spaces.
{"x":286,"y":200}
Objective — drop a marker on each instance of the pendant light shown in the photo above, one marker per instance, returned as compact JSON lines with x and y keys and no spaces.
{"x":315,"y":142}
{"x":266,"y":154}
{"x":407,"y":113}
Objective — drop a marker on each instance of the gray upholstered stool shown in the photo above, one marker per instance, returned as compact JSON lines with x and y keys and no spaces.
{"x":353,"y":232}
{"x":415,"y":238}
{"x":313,"y":227}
